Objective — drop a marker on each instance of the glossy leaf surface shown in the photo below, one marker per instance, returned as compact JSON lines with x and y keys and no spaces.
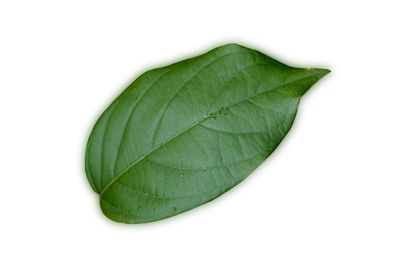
{"x":181,"y":135}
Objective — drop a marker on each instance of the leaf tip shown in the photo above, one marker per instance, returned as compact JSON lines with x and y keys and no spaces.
{"x":306,"y":78}
{"x":319,"y":73}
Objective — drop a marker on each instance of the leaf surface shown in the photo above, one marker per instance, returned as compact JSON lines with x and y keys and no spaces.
{"x":181,"y":135}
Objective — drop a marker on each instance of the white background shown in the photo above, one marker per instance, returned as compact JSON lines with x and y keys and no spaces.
{"x":329,"y":196}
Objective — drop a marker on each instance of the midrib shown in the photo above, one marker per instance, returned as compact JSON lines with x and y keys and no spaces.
{"x":205,"y":117}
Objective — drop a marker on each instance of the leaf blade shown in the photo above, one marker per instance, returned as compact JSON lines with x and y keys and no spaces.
{"x":206,"y":117}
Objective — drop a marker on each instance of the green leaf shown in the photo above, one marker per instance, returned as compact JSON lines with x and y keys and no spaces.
{"x":181,"y":135}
